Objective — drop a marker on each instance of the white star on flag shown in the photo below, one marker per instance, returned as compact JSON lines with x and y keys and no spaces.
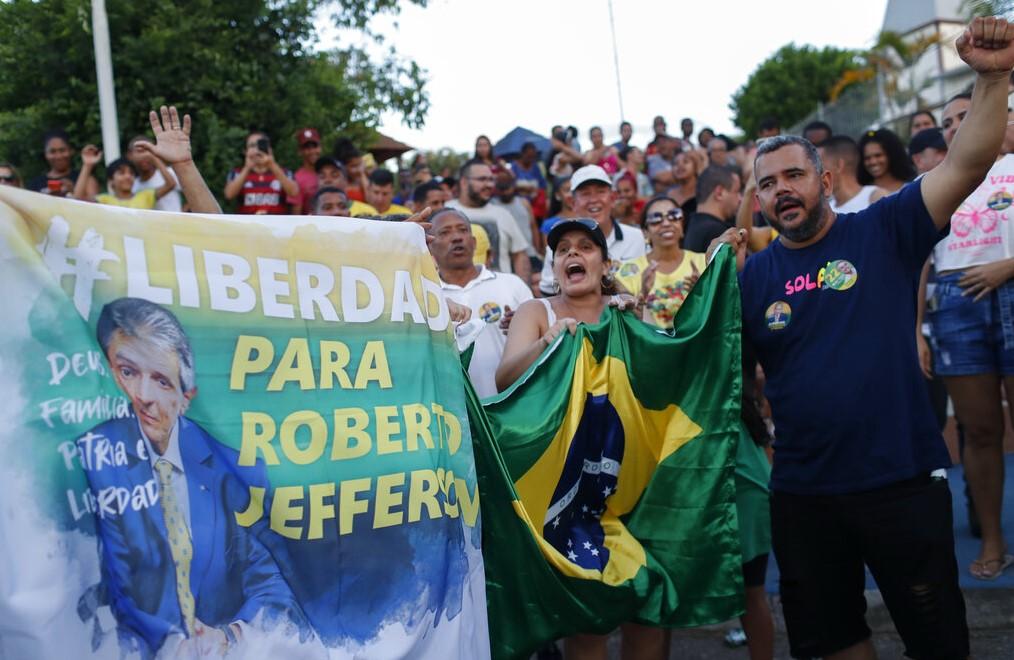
{"x":556,"y":522}
{"x":572,"y":556}
{"x":606,"y":491}
{"x":595,"y":552}
{"x":587,"y":545}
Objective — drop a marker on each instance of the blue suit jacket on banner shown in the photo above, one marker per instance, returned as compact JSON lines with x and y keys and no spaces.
{"x":233,"y":575}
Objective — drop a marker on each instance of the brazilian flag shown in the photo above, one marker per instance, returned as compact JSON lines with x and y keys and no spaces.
{"x":606,"y":476}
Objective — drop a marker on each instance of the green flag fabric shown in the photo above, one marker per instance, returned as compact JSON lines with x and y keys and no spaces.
{"x":606,"y":477}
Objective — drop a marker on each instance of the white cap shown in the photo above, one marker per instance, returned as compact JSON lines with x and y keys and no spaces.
{"x":589,"y":173}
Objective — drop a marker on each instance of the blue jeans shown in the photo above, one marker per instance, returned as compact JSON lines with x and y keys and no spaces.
{"x":970,"y":337}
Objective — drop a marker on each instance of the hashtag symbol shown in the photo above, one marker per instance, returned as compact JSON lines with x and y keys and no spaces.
{"x":83,"y":262}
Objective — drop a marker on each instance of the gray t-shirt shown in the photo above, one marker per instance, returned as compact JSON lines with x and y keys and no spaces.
{"x":516,"y":207}
{"x":505,"y":238}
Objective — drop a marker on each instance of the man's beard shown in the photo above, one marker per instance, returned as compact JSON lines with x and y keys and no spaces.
{"x":475,"y":197}
{"x":811,"y":225}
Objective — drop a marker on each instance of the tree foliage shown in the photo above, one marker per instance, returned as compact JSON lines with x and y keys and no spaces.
{"x":974,"y":8}
{"x":234,"y":65}
{"x":446,"y":161}
{"x":789,"y":85}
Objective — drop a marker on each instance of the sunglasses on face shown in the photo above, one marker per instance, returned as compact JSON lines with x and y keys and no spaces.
{"x":656,"y":218}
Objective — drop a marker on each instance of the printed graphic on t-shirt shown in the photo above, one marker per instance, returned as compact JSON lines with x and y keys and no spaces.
{"x":975,"y":224}
{"x":490,"y":312}
{"x":840,"y":275}
{"x":666,"y":300}
{"x":629,"y":269}
{"x":837,"y":275}
{"x":257,"y":196}
{"x":981,"y":231}
{"x":778,"y":315}
{"x":999,"y":200}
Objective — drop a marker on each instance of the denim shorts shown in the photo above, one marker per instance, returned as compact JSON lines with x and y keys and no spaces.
{"x":968,"y":337}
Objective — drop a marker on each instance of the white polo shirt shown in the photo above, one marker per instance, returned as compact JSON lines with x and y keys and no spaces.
{"x":487,"y":296}
{"x":623,"y":242}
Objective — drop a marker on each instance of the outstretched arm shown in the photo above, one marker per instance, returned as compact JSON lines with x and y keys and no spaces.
{"x":170,"y":180}
{"x":987,"y":46}
{"x":90,"y":158}
{"x":172,"y":145}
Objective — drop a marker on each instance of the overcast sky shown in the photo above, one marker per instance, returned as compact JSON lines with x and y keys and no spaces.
{"x":496,"y":64}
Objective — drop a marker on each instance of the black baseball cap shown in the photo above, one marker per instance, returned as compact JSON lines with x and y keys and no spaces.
{"x":930,"y":138}
{"x":584,"y":224}
{"x":324,"y":161}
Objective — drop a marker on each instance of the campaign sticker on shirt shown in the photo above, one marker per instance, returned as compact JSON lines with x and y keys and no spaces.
{"x":840,"y":275}
{"x":276,"y":185}
{"x":778,"y":315}
{"x":626,"y":270}
{"x":490,"y":312}
{"x":1000,"y":200}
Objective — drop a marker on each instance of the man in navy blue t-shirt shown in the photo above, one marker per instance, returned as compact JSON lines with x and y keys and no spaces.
{"x":830,"y":308}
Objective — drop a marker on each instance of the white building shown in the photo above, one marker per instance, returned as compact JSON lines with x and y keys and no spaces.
{"x":939,"y":73}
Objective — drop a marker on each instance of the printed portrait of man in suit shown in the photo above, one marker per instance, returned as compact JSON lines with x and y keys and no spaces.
{"x":178,"y":569}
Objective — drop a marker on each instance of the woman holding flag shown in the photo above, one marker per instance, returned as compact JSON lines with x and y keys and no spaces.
{"x":586,"y":287}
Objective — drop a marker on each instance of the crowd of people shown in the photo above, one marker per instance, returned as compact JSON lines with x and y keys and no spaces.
{"x":877,"y":281}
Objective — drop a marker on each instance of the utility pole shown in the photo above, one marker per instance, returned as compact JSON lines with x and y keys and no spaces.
{"x":616,"y":61}
{"x":104,"y":75}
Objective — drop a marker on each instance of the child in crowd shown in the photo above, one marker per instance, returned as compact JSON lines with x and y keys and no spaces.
{"x":121,"y":174}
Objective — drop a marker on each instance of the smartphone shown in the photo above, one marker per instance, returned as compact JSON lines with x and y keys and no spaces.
{"x":264,"y":145}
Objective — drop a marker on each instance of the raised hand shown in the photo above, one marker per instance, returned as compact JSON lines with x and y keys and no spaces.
{"x":692,"y":278}
{"x":422,"y":219}
{"x":91,"y":155}
{"x":172,"y":137}
{"x":987,"y":45}
{"x":648,"y":278}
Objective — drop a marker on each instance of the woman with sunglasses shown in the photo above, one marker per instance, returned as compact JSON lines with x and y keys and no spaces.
{"x":661,"y":279}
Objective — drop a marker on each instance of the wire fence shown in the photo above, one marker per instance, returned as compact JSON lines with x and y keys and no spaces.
{"x":869,"y":105}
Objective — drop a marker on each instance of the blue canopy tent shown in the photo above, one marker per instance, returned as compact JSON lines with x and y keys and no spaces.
{"x":510,"y":144}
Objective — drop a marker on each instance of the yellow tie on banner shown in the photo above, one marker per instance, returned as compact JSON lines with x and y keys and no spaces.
{"x":179,"y":542}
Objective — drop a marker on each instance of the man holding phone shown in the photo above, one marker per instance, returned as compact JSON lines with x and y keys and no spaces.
{"x":261,"y":185}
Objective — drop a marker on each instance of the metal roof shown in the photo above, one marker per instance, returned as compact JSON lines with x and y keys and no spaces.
{"x":903,"y":16}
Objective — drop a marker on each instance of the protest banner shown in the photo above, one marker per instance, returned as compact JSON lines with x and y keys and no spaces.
{"x":239,"y":435}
